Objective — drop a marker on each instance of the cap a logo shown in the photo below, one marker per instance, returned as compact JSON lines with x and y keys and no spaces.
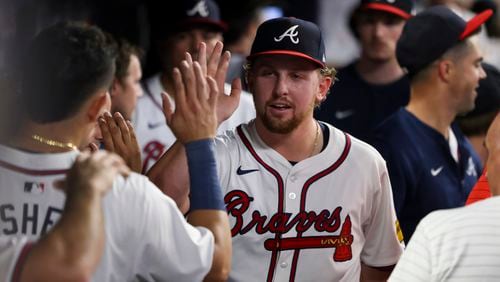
{"x":200,"y":8}
{"x":292,"y":33}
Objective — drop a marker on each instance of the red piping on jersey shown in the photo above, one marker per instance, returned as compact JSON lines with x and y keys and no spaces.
{"x":305,"y":188}
{"x":16,"y":276}
{"x":277,"y":238}
{"x":32,"y":171}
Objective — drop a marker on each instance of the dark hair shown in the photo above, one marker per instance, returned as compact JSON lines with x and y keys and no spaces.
{"x":65,"y":65}
{"x":124,"y":50}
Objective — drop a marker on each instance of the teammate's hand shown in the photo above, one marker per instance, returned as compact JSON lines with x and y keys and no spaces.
{"x":118,"y":136}
{"x":216,"y":66}
{"x":93,"y":173}
{"x":196,"y":97}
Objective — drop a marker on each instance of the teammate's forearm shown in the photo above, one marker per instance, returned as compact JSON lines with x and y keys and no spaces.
{"x":171,"y":175}
{"x":207,"y":204}
{"x":217,"y":222}
{"x":72,"y":249}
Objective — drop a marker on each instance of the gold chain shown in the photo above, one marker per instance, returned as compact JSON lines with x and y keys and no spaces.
{"x":53,"y":143}
{"x":315,"y":140}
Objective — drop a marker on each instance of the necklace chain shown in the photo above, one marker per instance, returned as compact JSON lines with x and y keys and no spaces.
{"x":53,"y":143}
{"x":315,"y":140}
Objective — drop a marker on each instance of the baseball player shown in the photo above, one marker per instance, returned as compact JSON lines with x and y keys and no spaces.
{"x":306,"y":201}
{"x":55,"y":257}
{"x":147,"y":237}
{"x":431,"y":164}
{"x":374,"y":86}
{"x":190,"y":23}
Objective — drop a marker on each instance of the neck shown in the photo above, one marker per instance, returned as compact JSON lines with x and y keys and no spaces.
{"x":428,"y":104}
{"x":303,"y":142}
{"x":377,"y":72}
{"x":49,"y":138}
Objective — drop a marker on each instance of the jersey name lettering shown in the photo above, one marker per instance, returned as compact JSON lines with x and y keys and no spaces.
{"x":28,"y":224}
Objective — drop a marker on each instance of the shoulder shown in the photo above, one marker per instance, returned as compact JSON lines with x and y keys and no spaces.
{"x":473,"y":217}
{"x":359,"y":151}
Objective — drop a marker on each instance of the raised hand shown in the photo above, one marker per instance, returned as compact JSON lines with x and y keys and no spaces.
{"x":118,"y":136}
{"x":216,"y":66}
{"x":196,"y":95}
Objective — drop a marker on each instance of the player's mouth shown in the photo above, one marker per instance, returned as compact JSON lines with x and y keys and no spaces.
{"x":279,"y":107}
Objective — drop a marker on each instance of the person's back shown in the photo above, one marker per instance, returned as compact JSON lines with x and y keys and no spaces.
{"x":147,"y":237}
{"x":32,"y":206}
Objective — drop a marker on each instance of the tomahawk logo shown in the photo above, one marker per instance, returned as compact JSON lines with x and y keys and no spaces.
{"x":200,"y":8}
{"x":292,"y":33}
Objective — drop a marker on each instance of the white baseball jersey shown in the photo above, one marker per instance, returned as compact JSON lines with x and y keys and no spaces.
{"x":454,"y":245}
{"x":12,"y":251}
{"x":316,"y":220}
{"x":147,"y":237}
{"x":155,"y":137}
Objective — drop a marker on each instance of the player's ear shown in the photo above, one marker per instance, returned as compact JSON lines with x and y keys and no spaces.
{"x":98,"y":104}
{"x":325,"y":82}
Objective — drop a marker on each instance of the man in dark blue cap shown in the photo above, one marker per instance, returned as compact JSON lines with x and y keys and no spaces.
{"x":374,"y":86}
{"x":431,"y":164}
{"x":306,"y":202}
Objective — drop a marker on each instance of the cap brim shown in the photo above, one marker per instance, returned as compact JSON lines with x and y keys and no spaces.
{"x":386,"y":8}
{"x":219,"y":25}
{"x":290,"y":53}
{"x":475,"y":23}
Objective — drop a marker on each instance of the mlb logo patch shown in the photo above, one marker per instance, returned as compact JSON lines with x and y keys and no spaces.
{"x":34,"y":187}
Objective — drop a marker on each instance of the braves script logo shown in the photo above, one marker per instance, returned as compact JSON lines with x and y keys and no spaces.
{"x":292,"y":33}
{"x":200,"y":8}
{"x":238,"y":202}
{"x":152,"y":151}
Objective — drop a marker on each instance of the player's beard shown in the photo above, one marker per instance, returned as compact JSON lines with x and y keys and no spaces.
{"x":285,"y":126}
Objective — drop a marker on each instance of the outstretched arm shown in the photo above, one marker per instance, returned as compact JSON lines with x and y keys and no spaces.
{"x":72,"y":249}
{"x":170,"y":172}
{"x":194,"y":123}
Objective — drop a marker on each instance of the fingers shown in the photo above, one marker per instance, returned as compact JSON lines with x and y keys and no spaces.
{"x":180,"y":91}
{"x":220,"y":74}
{"x":107,"y":138}
{"x":202,"y":57}
{"x":236,"y":89}
{"x":93,"y":147}
{"x":214,"y":92}
{"x":201,"y":83}
{"x":214,"y":60}
{"x":122,"y":125}
{"x":167,"y":108}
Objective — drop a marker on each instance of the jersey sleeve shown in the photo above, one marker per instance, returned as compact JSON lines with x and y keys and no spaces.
{"x":166,"y":246}
{"x":384,"y":240}
{"x":416,"y":262}
{"x":13,"y":251}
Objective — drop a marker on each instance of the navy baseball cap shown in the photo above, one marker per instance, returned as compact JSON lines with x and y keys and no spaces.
{"x":401,"y":8}
{"x":168,"y":18}
{"x":289,"y":36}
{"x":429,"y":34}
